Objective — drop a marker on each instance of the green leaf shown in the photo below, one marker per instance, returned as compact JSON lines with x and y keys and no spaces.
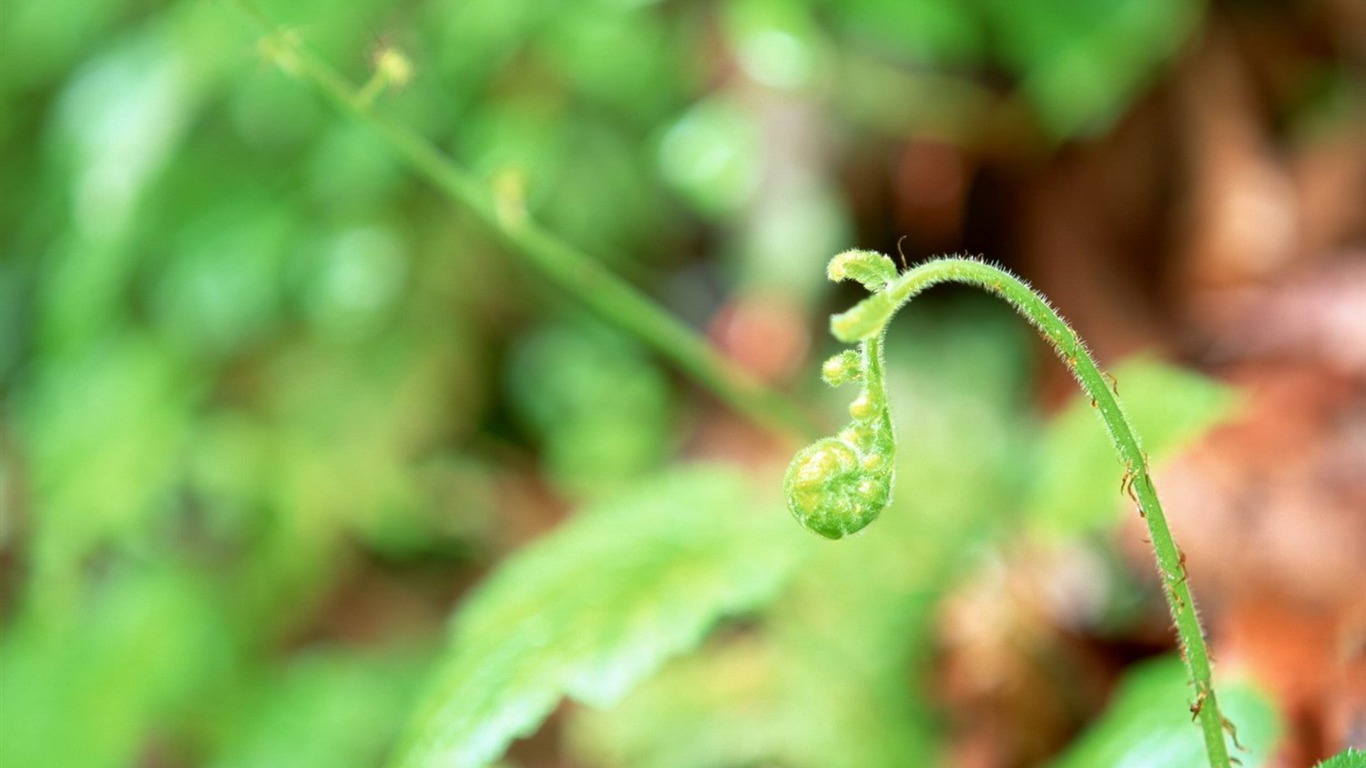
{"x":710,"y":156}
{"x":1081,"y":62}
{"x":1352,"y":758}
{"x":322,"y":709}
{"x":1148,"y":724}
{"x":592,"y":437}
{"x":918,"y":31}
{"x":104,"y":428}
{"x":719,"y":702}
{"x":1078,"y":477}
{"x":83,"y":686}
{"x":597,"y":606}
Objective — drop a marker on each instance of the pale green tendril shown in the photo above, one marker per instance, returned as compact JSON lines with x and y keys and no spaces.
{"x":838,"y":485}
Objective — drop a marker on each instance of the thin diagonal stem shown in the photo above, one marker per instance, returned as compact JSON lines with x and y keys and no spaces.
{"x":568,"y":268}
{"x":869,"y":319}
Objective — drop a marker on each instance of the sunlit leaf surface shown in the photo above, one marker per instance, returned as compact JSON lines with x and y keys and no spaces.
{"x":1148,"y":725}
{"x":597,"y":605}
{"x":1077,"y":484}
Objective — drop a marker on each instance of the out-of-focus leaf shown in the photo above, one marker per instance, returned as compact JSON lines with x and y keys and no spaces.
{"x":354,"y":280}
{"x":595,"y":436}
{"x":475,"y":40}
{"x":104,"y":431}
{"x":351,"y":173}
{"x":624,"y":208}
{"x":82,"y":688}
{"x":364,"y":416}
{"x":759,"y":702}
{"x":118,"y":121}
{"x":599,"y":604}
{"x":712,"y":155}
{"x":526,"y":134}
{"x":46,"y":37}
{"x":1148,"y":725}
{"x":1077,"y":486}
{"x":924,"y":31}
{"x":222,"y":286}
{"x":776,"y":42}
{"x":267,"y":111}
{"x":695,"y":701}
{"x":121,"y":116}
{"x":1352,"y":758}
{"x":1080,"y":63}
{"x":323,"y":711}
{"x":588,"y":43}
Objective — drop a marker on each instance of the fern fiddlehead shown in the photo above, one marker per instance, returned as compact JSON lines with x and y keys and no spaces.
{"x":838,"y":485}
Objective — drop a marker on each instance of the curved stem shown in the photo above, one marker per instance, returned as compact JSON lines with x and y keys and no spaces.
{"x":869,"y":319}
{"x":569,"y":268}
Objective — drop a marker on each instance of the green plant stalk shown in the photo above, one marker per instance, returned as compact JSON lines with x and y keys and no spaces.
{"x":867,"y":322}
{"x":570,"y":269}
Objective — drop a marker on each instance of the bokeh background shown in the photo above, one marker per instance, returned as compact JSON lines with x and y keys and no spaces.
{"x":272,"y":406}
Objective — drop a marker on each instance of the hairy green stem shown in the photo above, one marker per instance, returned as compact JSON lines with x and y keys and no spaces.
{"x":867,"y":322}
{"x":567,"y":267}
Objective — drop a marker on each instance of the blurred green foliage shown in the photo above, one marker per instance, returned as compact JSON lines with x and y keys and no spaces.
{"x":323,"y":709}
{"x":1145,"y":725}
{"x":591,"y":609}
{"x":246,"y":360}
{"x":1076,"y":471}
{"x":600,"y":409}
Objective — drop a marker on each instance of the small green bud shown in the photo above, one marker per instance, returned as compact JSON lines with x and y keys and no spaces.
{"x":863,"y":408}
{"x":858,"y":435}
{"x":842,"y":368}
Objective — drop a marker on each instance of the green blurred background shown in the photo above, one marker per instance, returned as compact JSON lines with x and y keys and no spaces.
{"x":272,"y":405}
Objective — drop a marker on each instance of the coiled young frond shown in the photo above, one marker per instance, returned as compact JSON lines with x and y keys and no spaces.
{"x":838,"y":485}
